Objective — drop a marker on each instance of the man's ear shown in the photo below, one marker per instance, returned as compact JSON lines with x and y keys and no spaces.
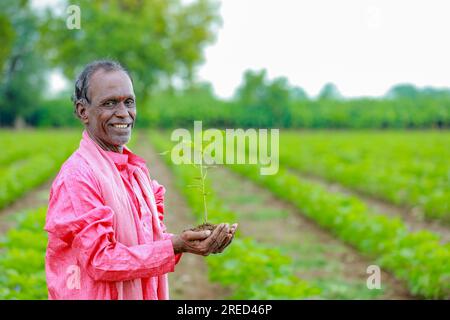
{"x":81,"y":109}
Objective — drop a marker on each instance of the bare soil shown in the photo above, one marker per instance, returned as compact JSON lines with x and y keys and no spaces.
{"x":205,"y":226}
{"x":35,"y":198}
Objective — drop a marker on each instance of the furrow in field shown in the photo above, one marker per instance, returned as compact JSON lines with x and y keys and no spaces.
{"x":407,"y":169}
{"x":47,"y":153}
{"x":414,"y":222}
{"x":318,"y":257}
{"x":35,"y":198}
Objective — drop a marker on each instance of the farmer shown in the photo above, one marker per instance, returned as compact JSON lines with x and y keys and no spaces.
{"x":106,"y":236}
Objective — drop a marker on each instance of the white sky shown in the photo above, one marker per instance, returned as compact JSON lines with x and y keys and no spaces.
{"x":363,"y":46}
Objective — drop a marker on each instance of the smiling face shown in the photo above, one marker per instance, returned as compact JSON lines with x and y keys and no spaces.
{"x":111,"y":113}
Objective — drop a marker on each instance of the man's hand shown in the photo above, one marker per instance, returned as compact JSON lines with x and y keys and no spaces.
{"x":203,"y":242}
{"x":229,"y":238}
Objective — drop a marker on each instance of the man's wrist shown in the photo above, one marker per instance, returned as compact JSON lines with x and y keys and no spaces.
{"x":178,"y":244}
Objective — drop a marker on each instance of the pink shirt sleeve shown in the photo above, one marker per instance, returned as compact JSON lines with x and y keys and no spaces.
{"x":159,"y":192}
{"x":78,"y":216}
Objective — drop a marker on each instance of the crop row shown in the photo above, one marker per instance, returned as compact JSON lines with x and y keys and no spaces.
{"x":18,"y":145}
{"x":410,"y":169}
{"x":22,"y":269}
{"x":35,"y":167}
{"x":417,"y":258}
{"x":251,"y":270}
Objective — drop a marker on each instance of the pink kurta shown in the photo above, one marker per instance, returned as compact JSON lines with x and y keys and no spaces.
{"x":83,"y":259}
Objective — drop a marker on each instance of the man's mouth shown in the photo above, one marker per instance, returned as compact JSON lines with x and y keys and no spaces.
{"x":121,"y":125}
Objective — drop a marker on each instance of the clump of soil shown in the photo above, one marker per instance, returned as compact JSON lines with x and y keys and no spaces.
{"x":204,"y":226}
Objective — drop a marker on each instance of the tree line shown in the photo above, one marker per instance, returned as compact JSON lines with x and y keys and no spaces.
{"x":261,"y":103}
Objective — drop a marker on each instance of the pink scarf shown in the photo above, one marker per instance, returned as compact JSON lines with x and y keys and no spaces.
{"x":125,"y":223}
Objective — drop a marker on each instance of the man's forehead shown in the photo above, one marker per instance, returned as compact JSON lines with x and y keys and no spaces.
{"x":110,"y":84}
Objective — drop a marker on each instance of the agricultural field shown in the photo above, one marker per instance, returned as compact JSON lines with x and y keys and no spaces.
{"x":410,"y":169}
{"x":299,"y":238}
{"x":420,"y":258}
{"x":30,"y":158}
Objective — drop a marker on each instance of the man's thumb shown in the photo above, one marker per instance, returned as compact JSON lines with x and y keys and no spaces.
{"x":197,"y":235}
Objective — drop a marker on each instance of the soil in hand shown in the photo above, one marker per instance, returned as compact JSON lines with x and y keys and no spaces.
{"x":205,"y":226}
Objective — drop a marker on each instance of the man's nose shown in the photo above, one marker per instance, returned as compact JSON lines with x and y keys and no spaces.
{"x":121,"y":110}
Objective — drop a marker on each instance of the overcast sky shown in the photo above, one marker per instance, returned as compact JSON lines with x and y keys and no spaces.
{"x":362,"y":46}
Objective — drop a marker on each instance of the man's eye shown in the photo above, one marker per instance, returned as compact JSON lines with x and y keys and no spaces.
{"x":109,"y":103}
{"x":129,"y":102}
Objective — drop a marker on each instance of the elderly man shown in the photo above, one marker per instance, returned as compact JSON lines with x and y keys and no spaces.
{"x":107,"y":239}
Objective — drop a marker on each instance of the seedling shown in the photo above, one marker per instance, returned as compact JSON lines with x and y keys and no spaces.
{"x":200,"y":184}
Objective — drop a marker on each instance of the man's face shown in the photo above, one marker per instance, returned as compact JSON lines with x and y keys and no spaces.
{"x":111,"y":114}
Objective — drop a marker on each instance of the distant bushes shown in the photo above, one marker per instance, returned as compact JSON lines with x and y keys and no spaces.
{"x":372,"y":113}
{"x":170,"y":111}
{"x":56,"y":112}
{"x":260,"y":102}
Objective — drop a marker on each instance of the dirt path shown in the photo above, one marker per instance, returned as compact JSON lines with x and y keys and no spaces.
{"x":35,"y":198}
{"x":412,"y":219}
{"x":317,"y":256}
{"x":190,"y":279}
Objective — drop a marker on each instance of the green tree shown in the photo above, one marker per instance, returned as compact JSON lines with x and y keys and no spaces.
{"x":157,"y":40}
{"x":253,"y":87}
{"x":7,"y":35}
{"x":267,"y":103}
{"x":329,"y":92}
{"x":298,"y":94}
{"x":408,"y":91}
{"x":23,"y":76}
